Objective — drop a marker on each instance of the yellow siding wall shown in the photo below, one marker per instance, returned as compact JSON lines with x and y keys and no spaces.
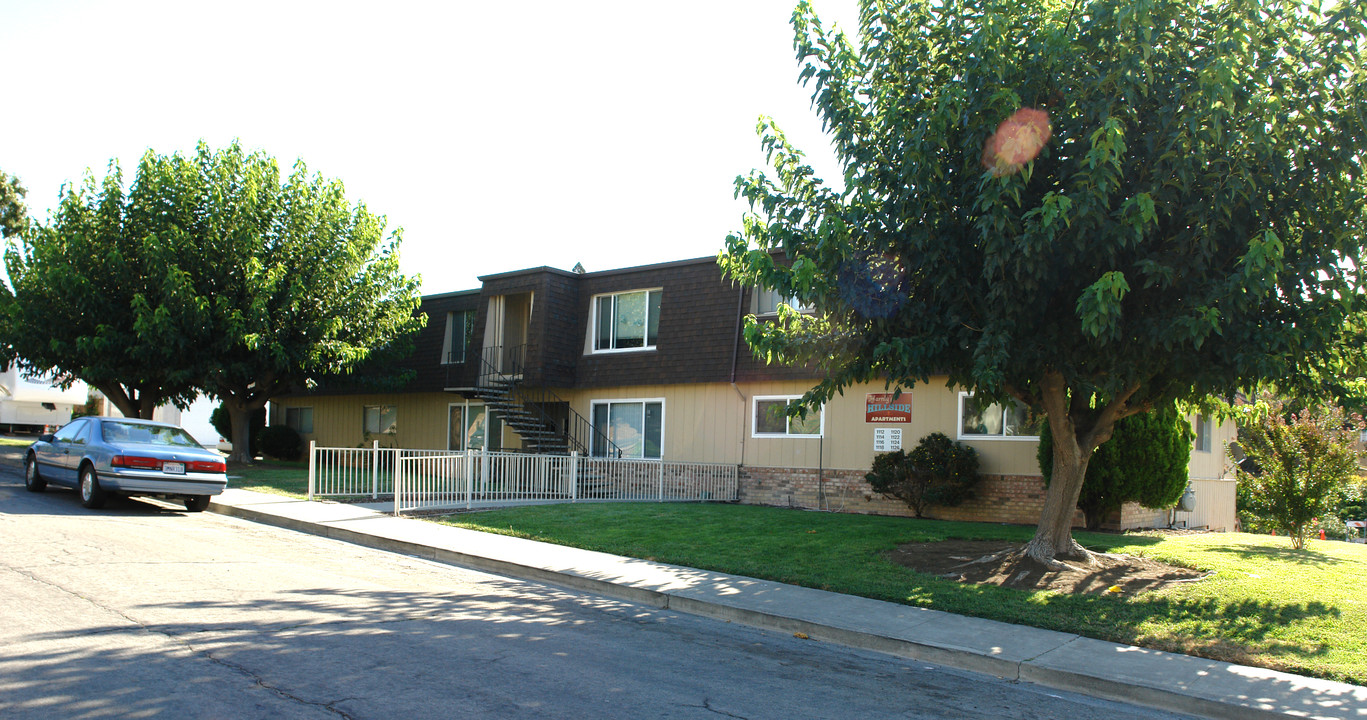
{"x":711,"y":422}
{"x":1215,"y":463}
{"x":420,"y":419}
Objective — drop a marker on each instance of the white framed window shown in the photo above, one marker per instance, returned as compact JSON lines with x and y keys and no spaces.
{"x":767,"y":302}
{"x":626,"y":320}
{"x":769,"y":418}
{"x":1012,"y":421}
{"x":380,"y":419}
{"x":460,"y":336}
{"x":634,"y":427}
{"x":471,"y":426}
{"x":299,"y":418}
{"x":1203,"y":429}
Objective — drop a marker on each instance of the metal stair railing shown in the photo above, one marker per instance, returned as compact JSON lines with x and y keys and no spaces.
{"x":506,"y":383}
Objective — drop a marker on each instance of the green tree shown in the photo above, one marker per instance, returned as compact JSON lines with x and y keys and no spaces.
{"x":247,"y":286}
{"x":1145,"y":461}
{"x":296,"y":283}
{"x":1093,"y":207}
{"x":1301,"y":463}
{"x":13,"y":216}
{"x":84,"y":289}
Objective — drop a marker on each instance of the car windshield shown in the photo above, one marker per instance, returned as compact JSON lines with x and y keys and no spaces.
{"x":121,"y":432}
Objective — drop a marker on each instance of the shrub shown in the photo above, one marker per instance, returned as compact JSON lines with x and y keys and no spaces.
{"x":938,"y":471}
{"x":281,"y":442}
{"x":1145,"y":461}
{"x":1305,"y":460}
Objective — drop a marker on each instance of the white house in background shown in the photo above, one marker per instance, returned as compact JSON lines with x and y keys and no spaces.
{"x":32,"y":403}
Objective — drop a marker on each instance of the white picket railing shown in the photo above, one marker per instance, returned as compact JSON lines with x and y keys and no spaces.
{"x":435,"y":479}
{"x":356,"y":472}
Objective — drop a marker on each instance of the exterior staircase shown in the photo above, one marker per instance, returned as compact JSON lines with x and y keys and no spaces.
{"x":539,"y":432}
{"x":527,"y":410}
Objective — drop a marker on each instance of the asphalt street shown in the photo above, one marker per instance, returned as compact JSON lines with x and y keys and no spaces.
{"x":143,"y":610}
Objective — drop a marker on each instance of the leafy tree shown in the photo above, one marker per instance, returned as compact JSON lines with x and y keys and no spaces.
{"x":297,"y":284}
{"x":1145,"y":461}
{"x":86,"y":287}
{"x":1093,"y":207}
{"x":938,"y":471}
{"x":13,"y":216}
{"x":212,"y":274}
{"x":1304,"y":460}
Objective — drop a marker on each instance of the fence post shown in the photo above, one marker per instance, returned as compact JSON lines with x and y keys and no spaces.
{"x":469,"y":479}
{"x":661,"y":498}
{"x":574,"y":476}
{"x":375,"y":470}
{"x":398,"y":484}
{"x":484,"y":472}
{"x":313,"y":463}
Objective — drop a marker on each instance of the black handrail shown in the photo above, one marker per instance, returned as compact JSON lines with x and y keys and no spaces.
{"x":508,"y":368}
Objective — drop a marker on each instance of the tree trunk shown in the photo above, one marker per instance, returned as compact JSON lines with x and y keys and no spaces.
{"x":131,"y":405}
{"x":1073,"y":448}
{"x":1054,"y":534}
{"x":240,"y":417}
{"x":241,"y":406}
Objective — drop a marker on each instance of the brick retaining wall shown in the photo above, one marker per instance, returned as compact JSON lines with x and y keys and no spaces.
{"x":1000,"y":498}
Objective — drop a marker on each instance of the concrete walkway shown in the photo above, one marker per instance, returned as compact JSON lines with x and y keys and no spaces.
{"x":1151,"y":678}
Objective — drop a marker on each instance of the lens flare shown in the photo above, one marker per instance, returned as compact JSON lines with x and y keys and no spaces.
{"x":1017,"y":141}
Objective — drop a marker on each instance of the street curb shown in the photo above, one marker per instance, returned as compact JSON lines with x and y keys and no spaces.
{"x":1033,"y":670}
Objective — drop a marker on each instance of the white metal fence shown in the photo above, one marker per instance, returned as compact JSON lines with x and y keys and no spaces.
{"x":356,"y":472}
{"x":436,"y":479}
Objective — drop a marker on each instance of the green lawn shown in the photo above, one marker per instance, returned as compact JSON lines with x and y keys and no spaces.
{"x":271,"y":476}
{"x":1267,"y":605}
{"x":18,"y":441}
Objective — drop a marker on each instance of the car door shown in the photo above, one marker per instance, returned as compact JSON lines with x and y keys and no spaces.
{"x":56,"y":462}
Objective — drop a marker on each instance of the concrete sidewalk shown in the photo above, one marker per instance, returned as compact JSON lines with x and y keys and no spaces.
{"x":1151,"y":678}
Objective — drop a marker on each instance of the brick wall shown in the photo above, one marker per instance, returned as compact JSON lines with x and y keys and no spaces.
{"x":1000,"y":498}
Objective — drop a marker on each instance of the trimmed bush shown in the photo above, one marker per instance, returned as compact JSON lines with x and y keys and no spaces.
{"x":938,"y":471}
{"x":281,"y":442}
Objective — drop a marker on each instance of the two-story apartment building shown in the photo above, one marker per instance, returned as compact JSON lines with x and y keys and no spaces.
{"x":650,"y":362}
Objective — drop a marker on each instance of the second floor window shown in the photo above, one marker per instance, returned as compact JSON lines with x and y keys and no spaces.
{"x":1203,"y":428}
{"x":626,"y":321}
{"x":460,"y":335}
{"x":767,"y":302}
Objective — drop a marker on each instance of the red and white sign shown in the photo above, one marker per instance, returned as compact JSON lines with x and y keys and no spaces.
{"x":883,"y":408}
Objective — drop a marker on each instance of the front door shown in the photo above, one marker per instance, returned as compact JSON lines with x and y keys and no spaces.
{"x":509,"y":318}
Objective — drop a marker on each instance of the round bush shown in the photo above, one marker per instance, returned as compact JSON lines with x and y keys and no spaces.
{"x":280,"y":442}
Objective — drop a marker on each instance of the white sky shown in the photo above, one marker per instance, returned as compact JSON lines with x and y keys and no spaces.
{"x":498,"y":135}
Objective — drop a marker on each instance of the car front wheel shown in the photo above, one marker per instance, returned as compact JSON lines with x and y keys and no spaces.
{"x":196,"y":503}
{"x":92,"y":495}
{"x":33,"y":482}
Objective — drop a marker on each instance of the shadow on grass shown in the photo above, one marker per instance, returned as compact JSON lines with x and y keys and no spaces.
{"x":1304,"y":556}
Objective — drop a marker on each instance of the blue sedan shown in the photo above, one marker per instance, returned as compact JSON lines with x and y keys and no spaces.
{"x":102,"y":456}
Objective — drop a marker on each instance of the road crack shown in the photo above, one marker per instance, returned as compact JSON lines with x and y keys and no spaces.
{"x":707,"y":705}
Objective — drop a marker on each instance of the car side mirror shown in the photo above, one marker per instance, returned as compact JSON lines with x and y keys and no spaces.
{"x":47,"y":438}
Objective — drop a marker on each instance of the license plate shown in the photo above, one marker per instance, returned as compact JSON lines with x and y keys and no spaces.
{"x":173,"y":468}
